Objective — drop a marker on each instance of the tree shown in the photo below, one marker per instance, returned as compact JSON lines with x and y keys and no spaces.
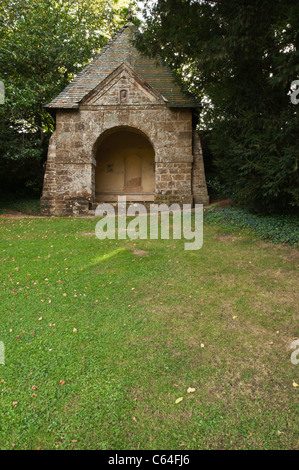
{"x":43,"y":44}
{"x":242,"y":57}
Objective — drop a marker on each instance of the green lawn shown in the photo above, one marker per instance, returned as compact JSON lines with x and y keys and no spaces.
{"x":103,"y":337}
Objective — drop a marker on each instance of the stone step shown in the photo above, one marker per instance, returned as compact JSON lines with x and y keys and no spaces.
{"x":94,"y":205}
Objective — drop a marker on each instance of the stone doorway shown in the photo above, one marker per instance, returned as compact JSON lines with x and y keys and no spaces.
{"x":125,"y":166}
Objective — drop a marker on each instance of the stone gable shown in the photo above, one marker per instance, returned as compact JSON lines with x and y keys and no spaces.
{"x":123,"y":87}
{"x":118,"y":51}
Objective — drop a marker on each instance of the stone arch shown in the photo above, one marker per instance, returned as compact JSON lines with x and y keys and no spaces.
{"x":124,"y":165}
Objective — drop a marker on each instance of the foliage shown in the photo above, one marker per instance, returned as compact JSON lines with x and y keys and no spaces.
{"x":18,"y":202}
{"x":44,"y":43}
{"x":216,"y":189}
{"x":275,"y":228}
{"x":241,"y":57}
{"x":20,"y":161}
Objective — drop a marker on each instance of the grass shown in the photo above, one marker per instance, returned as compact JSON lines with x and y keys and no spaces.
{"x":102,"y":337}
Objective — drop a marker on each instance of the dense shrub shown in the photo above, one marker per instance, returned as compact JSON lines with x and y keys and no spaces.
{"x":21,"y":170}
{"x":19,"y":202}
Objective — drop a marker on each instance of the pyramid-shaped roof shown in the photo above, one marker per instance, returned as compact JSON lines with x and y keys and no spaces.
{"x":118,"y":51}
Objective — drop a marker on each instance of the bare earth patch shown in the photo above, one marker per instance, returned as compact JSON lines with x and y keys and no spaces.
{"x":221,"y":203}
{"x":140,"y":253}
{"x":17,"y":215}
{"x":227,"y":238}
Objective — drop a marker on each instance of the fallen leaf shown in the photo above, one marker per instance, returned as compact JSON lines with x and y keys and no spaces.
{"x":62,"y":382}
{"x":295,"y":384}
{"x":178,"y":400}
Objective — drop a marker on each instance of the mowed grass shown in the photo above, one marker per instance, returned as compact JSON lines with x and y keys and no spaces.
{"x":102,"y":337}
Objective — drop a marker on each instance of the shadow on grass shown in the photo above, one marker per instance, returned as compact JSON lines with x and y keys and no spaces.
{"x":11,"y":202}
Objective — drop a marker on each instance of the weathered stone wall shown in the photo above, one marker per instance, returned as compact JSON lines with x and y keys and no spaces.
{"x":69,"y":185}
{"x":199,"y":185}
{"x":49,"y":197}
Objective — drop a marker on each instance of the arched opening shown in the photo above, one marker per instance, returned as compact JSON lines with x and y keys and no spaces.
{"x":125,"y":166}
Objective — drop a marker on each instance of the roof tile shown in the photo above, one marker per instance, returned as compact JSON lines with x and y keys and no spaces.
{"x":119,"y":50}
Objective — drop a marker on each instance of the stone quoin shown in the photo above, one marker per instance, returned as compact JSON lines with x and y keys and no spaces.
{"x":124,"y":127}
